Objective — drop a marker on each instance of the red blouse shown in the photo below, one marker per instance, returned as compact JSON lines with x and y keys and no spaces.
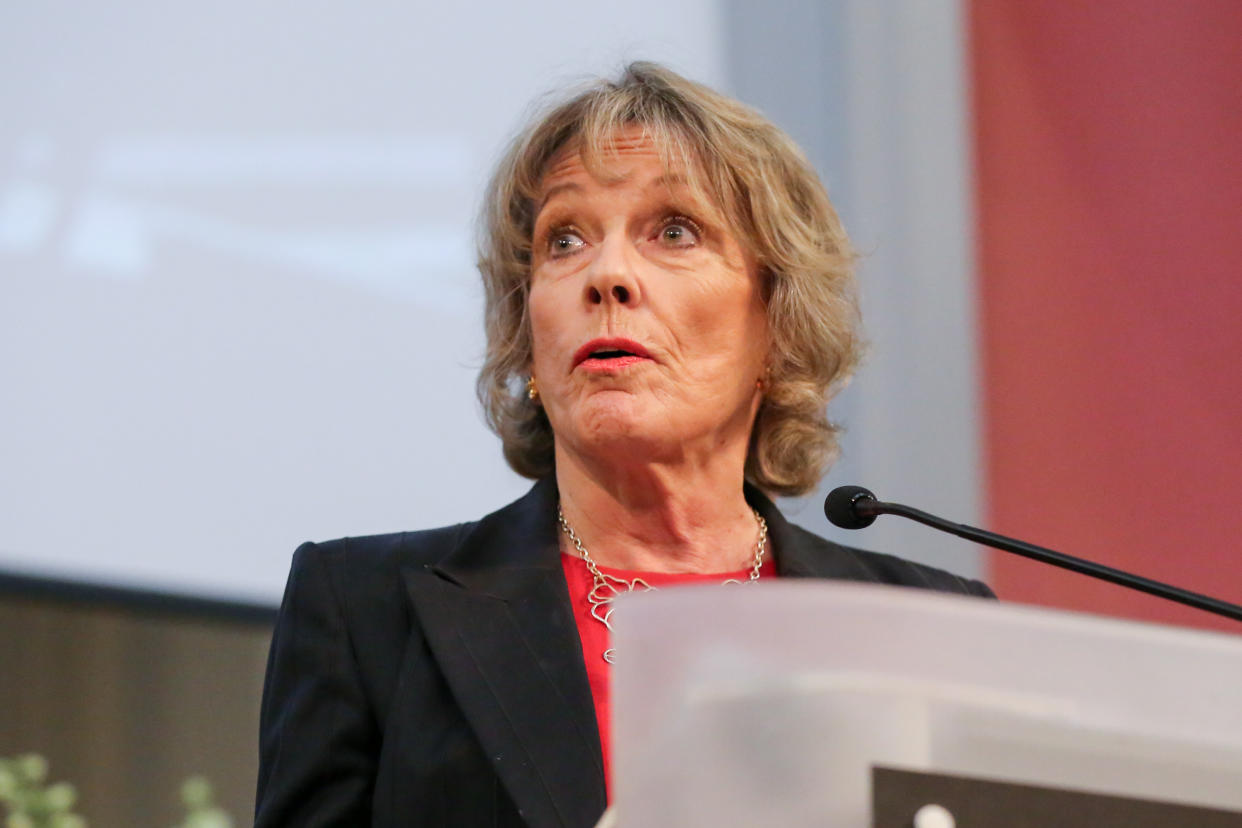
{"x":595,"y":636}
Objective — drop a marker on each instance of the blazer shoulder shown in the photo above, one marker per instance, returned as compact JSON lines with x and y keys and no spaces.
{"x":368,"y":555}
{"x":361,"y":579}
{"x":863,"y":565}
{"x":494,"y":535}
{"x":351,"y":591}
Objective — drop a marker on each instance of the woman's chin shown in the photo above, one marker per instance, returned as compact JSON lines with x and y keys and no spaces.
{"x":619,"y":430}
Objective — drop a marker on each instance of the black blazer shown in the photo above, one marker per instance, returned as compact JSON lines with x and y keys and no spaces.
{"x":437,"y":677}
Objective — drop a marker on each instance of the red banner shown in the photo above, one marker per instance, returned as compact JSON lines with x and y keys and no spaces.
{"x":1108,"y":147}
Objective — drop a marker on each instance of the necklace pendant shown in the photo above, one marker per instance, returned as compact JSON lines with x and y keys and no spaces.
{"x":605,"y":588}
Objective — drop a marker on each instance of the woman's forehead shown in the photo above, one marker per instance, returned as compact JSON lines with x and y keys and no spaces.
{"x":631,"y":155}
{"x":605,"y":156}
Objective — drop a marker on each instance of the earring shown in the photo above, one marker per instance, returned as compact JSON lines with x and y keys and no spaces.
{"x":532,"y":390}
{"x":761,"y":384}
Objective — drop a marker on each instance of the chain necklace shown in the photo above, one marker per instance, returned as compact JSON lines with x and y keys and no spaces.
{"x":605,"y":588}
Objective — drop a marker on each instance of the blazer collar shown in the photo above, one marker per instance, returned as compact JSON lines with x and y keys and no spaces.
{"x":508,"y":548}
{"x":505,"y":550}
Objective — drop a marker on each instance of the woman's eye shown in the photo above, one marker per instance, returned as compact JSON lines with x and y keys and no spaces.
{"x":564,"y":242}
{"x":679,"y":231}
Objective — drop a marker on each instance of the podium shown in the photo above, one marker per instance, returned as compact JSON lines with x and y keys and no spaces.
{"x":798,"y":703}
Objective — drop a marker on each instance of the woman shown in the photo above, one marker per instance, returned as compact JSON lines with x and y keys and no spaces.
{"x":669,"y":304}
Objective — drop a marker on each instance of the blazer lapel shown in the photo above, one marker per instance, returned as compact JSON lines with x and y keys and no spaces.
{"x":497,"y":617}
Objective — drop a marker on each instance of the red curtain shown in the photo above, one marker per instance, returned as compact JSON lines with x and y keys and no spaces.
{"x":1108,"y":157}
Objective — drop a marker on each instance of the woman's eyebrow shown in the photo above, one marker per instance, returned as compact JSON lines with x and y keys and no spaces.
{"x":556,"y":190}
{"x":681,"y":185}
{"x":566,"y":186}
{"x":669,"y":180}
{"x":683,"y":190}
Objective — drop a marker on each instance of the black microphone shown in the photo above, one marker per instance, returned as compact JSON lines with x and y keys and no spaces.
{"x":853,"y":507}
{"x":842,"y":507}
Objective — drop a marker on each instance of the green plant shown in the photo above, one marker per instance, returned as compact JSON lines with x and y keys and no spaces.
{"x":31,"y":803}
{"x":201,"y":809}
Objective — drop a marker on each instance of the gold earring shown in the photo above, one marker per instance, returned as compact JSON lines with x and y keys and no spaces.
{"x":532,"y":390}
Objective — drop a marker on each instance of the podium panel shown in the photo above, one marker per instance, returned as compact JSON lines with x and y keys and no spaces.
{"x":772,"y":704}
{"x":900,"y":797}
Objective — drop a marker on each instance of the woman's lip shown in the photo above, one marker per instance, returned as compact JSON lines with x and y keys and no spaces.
{"x":604,"y":366}
{"x":638,"y":352}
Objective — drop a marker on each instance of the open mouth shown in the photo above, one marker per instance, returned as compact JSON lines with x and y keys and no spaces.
{"x":600,"y":354}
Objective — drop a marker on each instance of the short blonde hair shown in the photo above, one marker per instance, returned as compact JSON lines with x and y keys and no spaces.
{"x":775,"y":204}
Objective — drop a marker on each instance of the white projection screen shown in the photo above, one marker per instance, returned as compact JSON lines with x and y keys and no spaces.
{"x":238,"y":305}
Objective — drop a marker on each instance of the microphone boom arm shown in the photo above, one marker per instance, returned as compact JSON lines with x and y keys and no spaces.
{"x":866,"y":505}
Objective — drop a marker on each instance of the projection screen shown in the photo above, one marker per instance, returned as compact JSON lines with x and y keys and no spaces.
{"x":238,"y":306}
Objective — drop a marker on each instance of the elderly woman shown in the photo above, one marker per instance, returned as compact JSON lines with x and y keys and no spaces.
{"x":669,"y":306}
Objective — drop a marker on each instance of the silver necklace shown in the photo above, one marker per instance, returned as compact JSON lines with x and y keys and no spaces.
{"x":605,"y":588}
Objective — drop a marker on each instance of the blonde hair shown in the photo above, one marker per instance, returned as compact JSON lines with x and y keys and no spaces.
{"x":773,"y":201}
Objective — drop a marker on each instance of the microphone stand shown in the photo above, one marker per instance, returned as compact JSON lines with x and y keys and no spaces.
{"x":865,"y":506}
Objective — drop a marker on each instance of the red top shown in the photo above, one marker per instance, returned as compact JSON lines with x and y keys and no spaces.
{"x":595,"y":636}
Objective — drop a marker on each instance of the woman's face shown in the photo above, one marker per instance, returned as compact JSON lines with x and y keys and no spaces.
{"x":647,"y":314}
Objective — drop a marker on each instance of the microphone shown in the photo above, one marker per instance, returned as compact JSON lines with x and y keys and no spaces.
{"x":853,"y":507}
{"x":844,"y":506}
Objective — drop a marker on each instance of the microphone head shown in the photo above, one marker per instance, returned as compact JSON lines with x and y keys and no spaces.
{"x":840,"y":505}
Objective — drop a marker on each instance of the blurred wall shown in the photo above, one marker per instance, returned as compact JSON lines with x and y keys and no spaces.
{"x":876,"y":93}
{"x":127,"y":703}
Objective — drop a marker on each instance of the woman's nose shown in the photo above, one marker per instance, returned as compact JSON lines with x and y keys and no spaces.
{"x":612,"y":276}
{"x":620,"y":293}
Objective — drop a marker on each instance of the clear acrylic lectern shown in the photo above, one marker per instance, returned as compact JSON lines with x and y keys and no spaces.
{"x":775,"y":704}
